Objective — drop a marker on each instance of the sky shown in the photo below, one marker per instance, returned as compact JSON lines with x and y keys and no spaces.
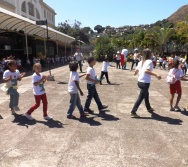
{"x":115,"y":13}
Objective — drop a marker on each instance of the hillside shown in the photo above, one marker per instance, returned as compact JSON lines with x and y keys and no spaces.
{"x":179,"y":15}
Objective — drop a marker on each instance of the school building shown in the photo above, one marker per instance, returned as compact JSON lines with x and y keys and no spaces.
{"x":22,"y":37}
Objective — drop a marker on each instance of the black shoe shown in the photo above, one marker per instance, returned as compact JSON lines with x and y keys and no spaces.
{"x":71,"y":117}
{"x":89,"y":111}
{"x":103,"y":107}
{"x":151,"y":110}
{"x":109,"y":82}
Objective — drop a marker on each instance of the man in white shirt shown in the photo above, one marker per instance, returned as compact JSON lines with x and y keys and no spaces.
{"x":78,"y":56}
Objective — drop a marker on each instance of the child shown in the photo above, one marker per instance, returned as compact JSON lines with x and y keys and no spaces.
{"x":10,"y":77}
{"x":92,"y":92}
{"x":38,"y":81}
{"x":73,"y":88}
{"x":164,"y":62}
{"x":176,"y":87}
{"x":161,"y":63}
{"x":104,"y":71}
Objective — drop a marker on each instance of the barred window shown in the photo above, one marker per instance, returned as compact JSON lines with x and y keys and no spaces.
{"x":31,"y":9}
{"x":24,"y":7}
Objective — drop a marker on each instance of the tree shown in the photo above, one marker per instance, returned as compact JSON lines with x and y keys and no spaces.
{"x":99,"y":28}
{"x":104,"y":46}
{"x":161,"y":36}
{"x":74,"y":29}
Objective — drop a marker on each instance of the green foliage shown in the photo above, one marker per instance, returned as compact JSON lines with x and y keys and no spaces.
{"x":74,"y":29}
{"x":99,"y":28}
{"x":104,"y":47}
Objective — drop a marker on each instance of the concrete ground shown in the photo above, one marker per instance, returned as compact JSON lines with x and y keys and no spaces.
{"x":112,"y":139}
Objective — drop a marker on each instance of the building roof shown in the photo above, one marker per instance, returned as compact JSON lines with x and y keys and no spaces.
{"x":14,"y":22}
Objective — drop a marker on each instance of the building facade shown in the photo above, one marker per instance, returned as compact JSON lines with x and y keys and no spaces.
{"x":21,"y":37}
{"x":31,"y":9}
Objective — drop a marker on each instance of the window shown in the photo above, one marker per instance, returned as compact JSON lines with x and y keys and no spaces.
{"x":37,"y":14}
{"x":31,"y":9}
{"x":44,"y":14}
{"x":24,"y":7}
{"x":52,"y":18}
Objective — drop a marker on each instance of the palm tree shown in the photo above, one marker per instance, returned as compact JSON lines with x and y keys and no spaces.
{"x":161,"y":37}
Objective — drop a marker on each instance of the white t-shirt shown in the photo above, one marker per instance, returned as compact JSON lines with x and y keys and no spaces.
{"x":78,"y":56}
{"x":72,"y":88}
{"x":92,"y":75}
{"x":19,"y":62}
{"x":105,"y":66}
{"x":160,"y":60}
{"x":37,"y":90}
{"x":118,"y":57}
{"x":144,"y":77}
{"x":154,"y":58}
{"x":177,"y":73}
{"x":125,"y":53}
{"x":135,"y":56}
{"x":15,"y":75}
{"x":183,"y":61}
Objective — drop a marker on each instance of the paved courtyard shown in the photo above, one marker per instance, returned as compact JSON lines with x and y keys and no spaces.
{"x":112,"y":139}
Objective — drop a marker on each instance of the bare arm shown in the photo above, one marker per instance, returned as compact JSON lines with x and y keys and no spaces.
{"x":78,"y":86}
{"x":183,"y":79}
{"x":42,"y":80}
{"x":152,"y":73}
{"x":92,"y":80}
{"x":7,"y":79}
{"x":136,"y":72}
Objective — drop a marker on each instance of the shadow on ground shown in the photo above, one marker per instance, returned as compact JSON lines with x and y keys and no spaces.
{"x":21,"y":120}
{"x":62,"y":83}
{"x":166,"y":119}
{"x":103,"y":115}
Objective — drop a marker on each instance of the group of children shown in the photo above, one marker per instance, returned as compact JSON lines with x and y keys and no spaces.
{"x":11,"y":76}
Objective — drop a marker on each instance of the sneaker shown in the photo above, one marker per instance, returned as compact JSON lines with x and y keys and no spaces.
{"x":16,"y":108}
{"x":135,"y":115}
{"x":88,"y":110}
{"x":172,"y":109}
{"x":177,"y":108}
{"x":13,"y":111}
{"x":48,"y":118}
{"x":71,"y":117}
{"x":104,"y":107}
{"x":29,"y":117}
{"x":151,"y":110}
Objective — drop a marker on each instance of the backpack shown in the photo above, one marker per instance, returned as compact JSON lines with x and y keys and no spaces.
{"x":171,"y":78}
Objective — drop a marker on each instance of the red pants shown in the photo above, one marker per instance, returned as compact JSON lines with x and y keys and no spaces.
{"x":38,"y":98}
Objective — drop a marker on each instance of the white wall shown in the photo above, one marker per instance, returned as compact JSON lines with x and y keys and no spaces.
{"x":38,"y":4}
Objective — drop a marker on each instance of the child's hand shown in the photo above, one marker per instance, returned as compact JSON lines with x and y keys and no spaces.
{"x":96,"y":82}
{"x":23,"y":74}
{"x":10,"y":77}
{"x":44,"y":77}
{"x":159,"y":77}
{"x":81,"y":93}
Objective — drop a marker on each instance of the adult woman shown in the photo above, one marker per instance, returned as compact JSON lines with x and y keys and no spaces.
{"x":144,"y":69}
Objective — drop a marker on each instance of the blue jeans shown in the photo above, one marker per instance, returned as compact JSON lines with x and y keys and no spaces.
{"x":144,"y":94}
{"x":14,"y":97}
{"x":75,"y":101}
{"x":92,"y":93}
